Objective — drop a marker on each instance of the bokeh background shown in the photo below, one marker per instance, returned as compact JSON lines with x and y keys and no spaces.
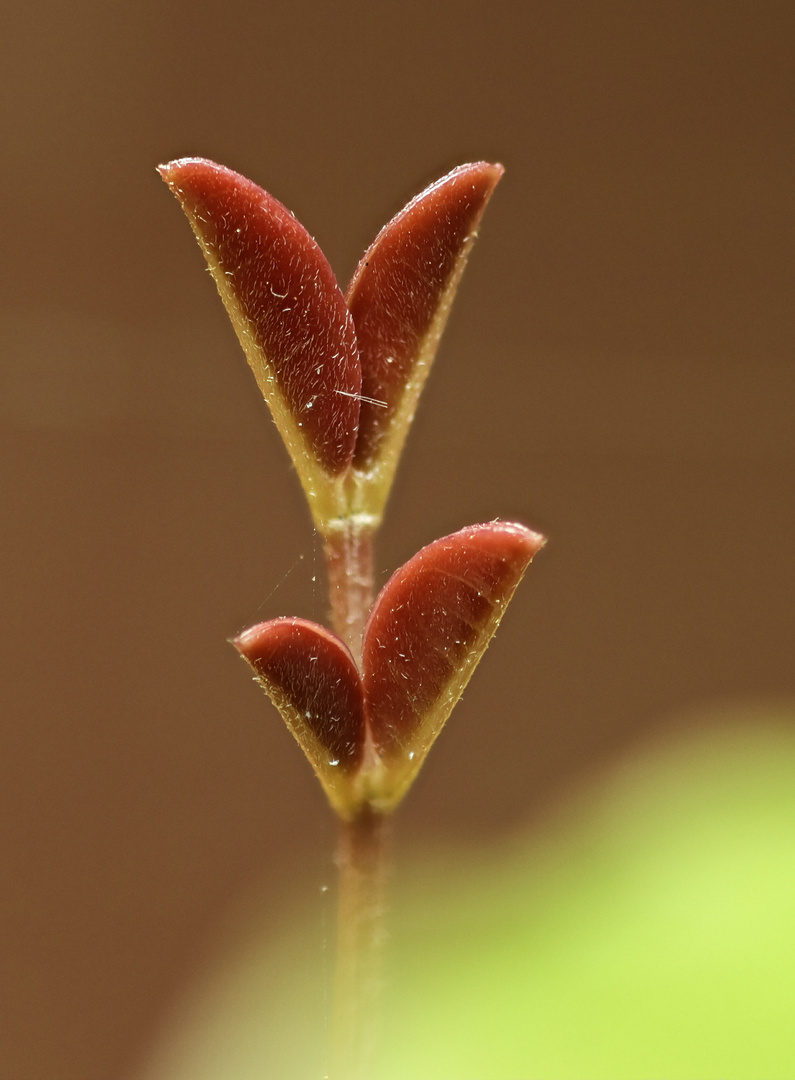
{"x":617,"y":372}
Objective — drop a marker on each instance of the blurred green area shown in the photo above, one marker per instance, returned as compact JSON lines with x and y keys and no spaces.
{"x":648,"y":932}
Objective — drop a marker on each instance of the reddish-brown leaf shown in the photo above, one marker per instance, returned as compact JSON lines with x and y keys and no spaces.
{"x":312,"y":679}
{"x":400,"y":296}
{"x":429,"y":627}
{"x":286,"y":307}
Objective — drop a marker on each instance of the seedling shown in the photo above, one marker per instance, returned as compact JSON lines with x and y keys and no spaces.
{"x":342,"y":375}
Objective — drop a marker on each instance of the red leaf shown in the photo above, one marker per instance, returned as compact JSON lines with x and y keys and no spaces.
{"x":312,"y":680}
{"x":429,"y":627}
{"x":401,"y":293}
{"x":366,"y":737}
{"x":286,"y":306}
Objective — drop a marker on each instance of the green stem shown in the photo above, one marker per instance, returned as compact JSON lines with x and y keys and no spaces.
{"x":349,"y":564}
{"x":362,"y":860}
{"x":362,"y":842}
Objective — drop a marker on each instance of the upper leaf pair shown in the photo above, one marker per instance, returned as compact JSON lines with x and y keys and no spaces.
{"x":341,"y":374}
{"x":366,"y":735}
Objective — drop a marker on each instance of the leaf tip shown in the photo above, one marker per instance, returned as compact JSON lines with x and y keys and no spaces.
{"x":514,"y":538}
{"x":171,"y":171}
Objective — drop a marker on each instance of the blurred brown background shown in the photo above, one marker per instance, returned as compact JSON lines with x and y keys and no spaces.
{"x":618,"y":372}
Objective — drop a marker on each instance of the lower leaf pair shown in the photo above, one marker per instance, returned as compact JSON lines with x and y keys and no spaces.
{"x":366,"y":733}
